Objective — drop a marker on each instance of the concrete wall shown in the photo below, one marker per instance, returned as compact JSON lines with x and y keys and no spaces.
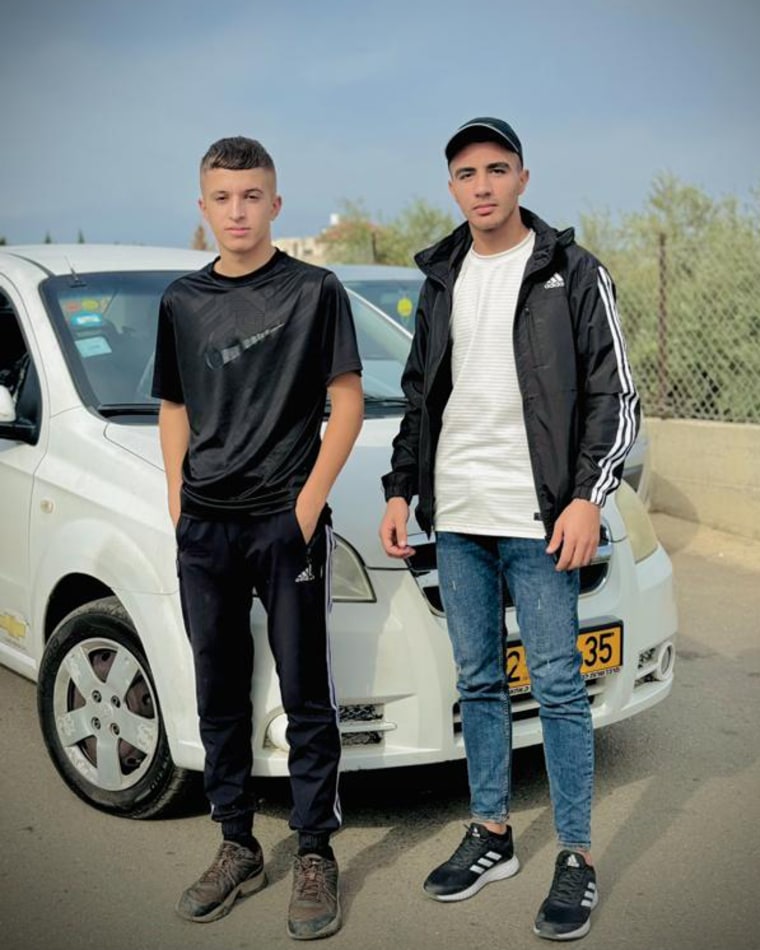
{"x":708,"y":472}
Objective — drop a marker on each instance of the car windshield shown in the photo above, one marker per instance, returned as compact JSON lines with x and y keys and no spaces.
{"x":106,"y":324}
{"x":397,"y":298}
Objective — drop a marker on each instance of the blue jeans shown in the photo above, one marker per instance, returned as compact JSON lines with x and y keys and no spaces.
{"x":472,"y":570}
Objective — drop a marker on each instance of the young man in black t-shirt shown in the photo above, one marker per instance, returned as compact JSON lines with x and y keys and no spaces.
{"x":248,"y":348}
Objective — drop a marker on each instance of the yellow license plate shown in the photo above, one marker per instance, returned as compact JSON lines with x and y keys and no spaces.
{"x":601,"y":651}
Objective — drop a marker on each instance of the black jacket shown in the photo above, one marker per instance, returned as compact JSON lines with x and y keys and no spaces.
{"x":580,"y":405}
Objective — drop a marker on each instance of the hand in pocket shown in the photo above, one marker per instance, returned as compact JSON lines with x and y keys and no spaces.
{"x":307,"y":516}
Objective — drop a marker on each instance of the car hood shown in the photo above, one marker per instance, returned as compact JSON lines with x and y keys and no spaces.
{"x":140,"y":440}
{"x":357,"y":497}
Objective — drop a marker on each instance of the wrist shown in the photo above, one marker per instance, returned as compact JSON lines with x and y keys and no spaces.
{"x":313,"y":495}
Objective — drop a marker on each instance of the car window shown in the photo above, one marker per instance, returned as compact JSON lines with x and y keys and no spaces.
{"x":383,"y":348}
{"x":106,"y":324}
{"x":397,"y":298}
{"x":14,"y":355}
{"x":18,"y":375}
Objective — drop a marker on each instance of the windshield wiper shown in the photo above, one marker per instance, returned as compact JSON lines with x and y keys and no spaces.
{"x":385,"y":401}
{"x":376,"y":402}
{"x":128,"y":409}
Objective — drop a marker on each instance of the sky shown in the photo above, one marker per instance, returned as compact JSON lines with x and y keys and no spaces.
{"x":108,"y":106}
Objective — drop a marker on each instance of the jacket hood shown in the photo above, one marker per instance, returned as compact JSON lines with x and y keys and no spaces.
{"x":443,"y":259}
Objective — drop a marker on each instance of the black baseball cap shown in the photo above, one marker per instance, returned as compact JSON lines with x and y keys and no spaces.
{"x":483,"y":129}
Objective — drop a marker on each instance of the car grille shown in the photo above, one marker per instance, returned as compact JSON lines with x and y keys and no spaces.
{"x":362,"y":724}
{"x":423,"y":564}
{"x":365,"y":724}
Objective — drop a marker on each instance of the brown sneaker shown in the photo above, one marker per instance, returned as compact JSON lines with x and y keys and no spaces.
{"x":314,"y":906}
{"x":234,"y":871}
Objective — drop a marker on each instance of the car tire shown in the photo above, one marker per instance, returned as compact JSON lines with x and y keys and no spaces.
{"x":100,"y":715}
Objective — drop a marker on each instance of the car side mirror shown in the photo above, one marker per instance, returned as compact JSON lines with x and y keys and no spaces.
{"x":11,"y":428}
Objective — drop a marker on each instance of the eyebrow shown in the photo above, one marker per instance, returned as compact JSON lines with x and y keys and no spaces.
{"x":220,"y":192}
{"x":489,"y":167}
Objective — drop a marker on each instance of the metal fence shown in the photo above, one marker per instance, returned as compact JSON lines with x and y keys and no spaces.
{"x":691,"y":315}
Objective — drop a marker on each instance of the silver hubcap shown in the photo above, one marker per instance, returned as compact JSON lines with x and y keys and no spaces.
{"x":105,"y":714}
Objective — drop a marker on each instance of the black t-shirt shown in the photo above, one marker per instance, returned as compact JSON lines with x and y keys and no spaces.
{"x":251,"y":358}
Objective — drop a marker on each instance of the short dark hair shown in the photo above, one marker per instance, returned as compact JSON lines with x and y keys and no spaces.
{"x":237,"y":153}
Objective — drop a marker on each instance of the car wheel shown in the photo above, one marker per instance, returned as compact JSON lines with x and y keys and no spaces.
{"x":101,"y":718}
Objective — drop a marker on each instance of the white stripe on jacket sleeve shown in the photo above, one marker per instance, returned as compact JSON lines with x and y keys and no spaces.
{"x":627,"y":400}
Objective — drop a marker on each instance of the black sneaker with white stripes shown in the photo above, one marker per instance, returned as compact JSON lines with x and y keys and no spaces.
{"x":566,"y":912}
{"x":482,"y":857}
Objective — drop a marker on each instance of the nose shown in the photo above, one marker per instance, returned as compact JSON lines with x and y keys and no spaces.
{"x":482,"y":183}
{"x":237,"y":208}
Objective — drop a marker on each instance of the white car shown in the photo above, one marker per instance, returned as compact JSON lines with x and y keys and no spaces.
{"x":89,"y":604}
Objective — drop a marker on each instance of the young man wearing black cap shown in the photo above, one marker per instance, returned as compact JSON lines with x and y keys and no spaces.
{"x":248,"y":349}
{"x":521,"y":410}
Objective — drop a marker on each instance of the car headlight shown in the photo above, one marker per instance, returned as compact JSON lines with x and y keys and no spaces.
{"x":349,"y":578}
{"x":641,"y":533}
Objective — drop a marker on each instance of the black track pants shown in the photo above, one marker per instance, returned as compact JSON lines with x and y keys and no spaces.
{"x":220,"y":563}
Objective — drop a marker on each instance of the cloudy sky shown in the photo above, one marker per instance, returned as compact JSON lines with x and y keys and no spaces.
{"x":107,"y":106}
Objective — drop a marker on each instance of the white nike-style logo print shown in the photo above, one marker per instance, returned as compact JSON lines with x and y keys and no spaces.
{"x":216,"y":358}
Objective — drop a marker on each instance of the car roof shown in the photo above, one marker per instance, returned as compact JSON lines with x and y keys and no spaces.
{"x":88,"y":258}
{"x":374,"y":272}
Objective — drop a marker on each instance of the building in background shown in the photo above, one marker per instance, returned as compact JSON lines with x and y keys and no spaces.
{"x":303,"y":248}
{"x":310,"y":248}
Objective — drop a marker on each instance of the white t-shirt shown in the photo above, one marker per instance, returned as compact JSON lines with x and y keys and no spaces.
{"x":483,"y":476}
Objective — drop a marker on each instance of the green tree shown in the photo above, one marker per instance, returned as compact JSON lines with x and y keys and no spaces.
{"x":80,"y":237}
{"x":686,"y":269}
{"x":418,"y":225}
{"x":48,"y":239}
{"x":354,"y":238}
{"x":2,"y":240}
{"x":358,"y":239}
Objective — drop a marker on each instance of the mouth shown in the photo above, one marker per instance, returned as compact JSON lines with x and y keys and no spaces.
{"x":237,"y":232}
{"x":484,"y":209}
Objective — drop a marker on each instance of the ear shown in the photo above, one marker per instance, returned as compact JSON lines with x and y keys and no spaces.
{"x":276,"y":207}
{"x":202,"y":206}
{"x":524,"y":179}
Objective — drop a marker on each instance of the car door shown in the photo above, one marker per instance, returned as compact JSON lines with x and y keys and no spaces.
{"x":18,"y":463}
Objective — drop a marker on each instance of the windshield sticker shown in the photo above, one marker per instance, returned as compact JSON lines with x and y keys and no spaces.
{"x":404,"y":308}
{"x":14,"y":626}
{"x":93,"y":346}
{"x":75,"y":305}
{"x":84,"y":320}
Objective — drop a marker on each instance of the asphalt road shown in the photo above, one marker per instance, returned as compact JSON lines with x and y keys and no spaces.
{"x":676,"y":821}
